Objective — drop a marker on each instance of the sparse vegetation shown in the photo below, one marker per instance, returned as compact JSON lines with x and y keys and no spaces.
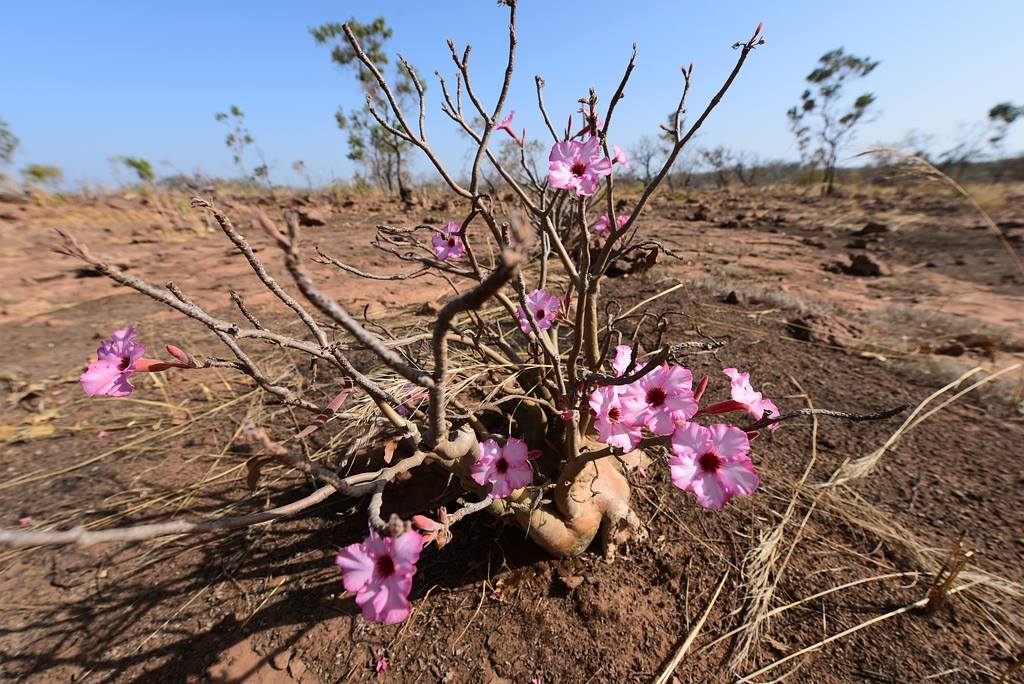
{"x":373,"y":138}
{"x":825,"y":122}
{"x":43,"y":174}
{"x":507,"y":401}
{"x":142,"y":169}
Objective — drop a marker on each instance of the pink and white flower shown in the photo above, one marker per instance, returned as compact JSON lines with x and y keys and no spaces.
{"x":115,"y":362}
{"x":666,"y":397}
{"x":623,"y":357}
{"x":543,"y":306}
{"x":379,"y":571}
{"x":505,"y":468}
{"x":619,"y":156}
{"x":578,"y":166}
{"x":751,"y":401}
{"x":617,"y":417}
{"x":603,"y":225}
{"x":712,"y":462}
{"x":447,"y":243}
{"x":506,"y":125}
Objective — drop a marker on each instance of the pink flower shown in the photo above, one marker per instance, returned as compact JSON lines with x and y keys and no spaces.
{"x":379,"y":571}
{"x":617,"y":418}
{"x":619,"y":156}
{"x":752,"y":402}
{"x":506,"y":125}
{"x":543,"y":306}
{"x":712,"y":463}
{"x":436,"y":531}
{"x":603,"y":225}
{"x":115,"y":361}
{"x":578,"y":166}
{"x":380,"y":663}
{"x":666,"y":397}
{"x":505,"y":468}
{"x":623,"y":357}
{"x":447,"y":243}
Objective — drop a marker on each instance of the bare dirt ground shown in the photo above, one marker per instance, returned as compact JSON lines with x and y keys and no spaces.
{"x":783,"y":276}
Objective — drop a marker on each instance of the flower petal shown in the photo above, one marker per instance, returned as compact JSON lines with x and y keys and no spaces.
{"x":356,"y":567}
{"x":709,"y":491}
{"x":739,"y":477}
{"x":728,"y":441}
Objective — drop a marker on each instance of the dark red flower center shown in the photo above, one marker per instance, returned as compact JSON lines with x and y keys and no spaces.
{"x":656,"y":396}
{"x":451,"y":242}
{"x":384,"y":567}
{"x":502,"y":465}
{"x":710,"y":462}
{"x":614,"y":414}
{"x":578,"y":168}
{"x":125,"y":362}
{"x":541,"y":313}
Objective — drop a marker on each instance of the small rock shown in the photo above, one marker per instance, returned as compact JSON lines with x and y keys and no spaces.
{"x":571,"y":581}
{"x":814,"y":242}
{"x":297,"y":668}
{"x":700,"y":215}
{"x":732,"y":298}
{"x":951,"y":349}
{"x":872,"y":228}
{"x":825,"y":329}
{"x":312,"y":217}
{"x":834,"y":267}
{"x":867,"y":265}
{"x":280,"y":660}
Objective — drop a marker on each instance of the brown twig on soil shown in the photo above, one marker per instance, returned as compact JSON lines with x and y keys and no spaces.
{"x":768,"y":419}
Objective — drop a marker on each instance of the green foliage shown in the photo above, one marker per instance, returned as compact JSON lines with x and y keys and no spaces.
{"x":238,"y":137}
{"x":379,"y":151}
{"x":42,"y":174}
{"x":238,"y":140}
{"x":142,"y":168}
{"x":8,"y":143}
{"x":371,"y":36}
{"x":822,"y":122}
{"x":1001,"y":116}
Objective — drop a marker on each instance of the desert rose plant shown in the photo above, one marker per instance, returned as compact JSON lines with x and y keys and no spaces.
{"x":568,"y":408}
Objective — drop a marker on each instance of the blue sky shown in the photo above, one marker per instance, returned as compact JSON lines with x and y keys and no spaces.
{"x":85,"y":81}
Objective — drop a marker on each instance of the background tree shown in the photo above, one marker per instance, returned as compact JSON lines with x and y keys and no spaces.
{"x":142,"y":168}
{"x":968,"y":148}
{"x":370,"y":143}
{"x":824,"y":121}
{"x":8,"y":143}
{"x":299,"y":167}
{"x":645,"y":156}
{"x":43,"y":174}
{"x":1001,"y":117}
{"x":238,"y":140}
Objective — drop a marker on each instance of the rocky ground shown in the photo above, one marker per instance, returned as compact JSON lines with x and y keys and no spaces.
{"x":879,"y":297}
